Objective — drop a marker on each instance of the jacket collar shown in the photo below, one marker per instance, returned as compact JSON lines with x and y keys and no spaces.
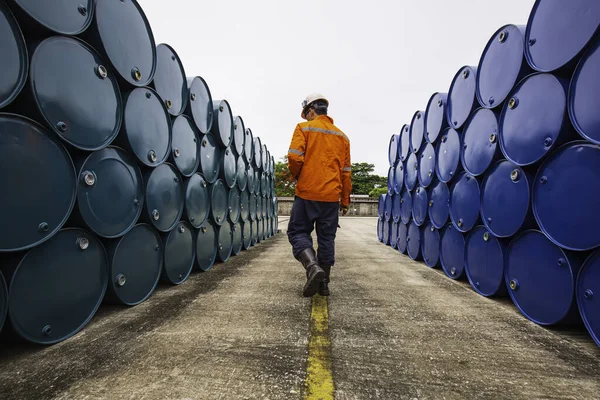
{"x":324,"y":118}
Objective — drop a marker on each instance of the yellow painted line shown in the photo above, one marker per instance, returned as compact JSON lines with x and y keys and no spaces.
{"x":319,"y":379}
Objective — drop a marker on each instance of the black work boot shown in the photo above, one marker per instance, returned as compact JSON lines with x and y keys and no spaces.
{"x":323,"y":288}
{"x":314,"y":273}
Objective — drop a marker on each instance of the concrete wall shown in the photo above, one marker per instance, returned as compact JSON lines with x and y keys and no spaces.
{"x":362,"y":207}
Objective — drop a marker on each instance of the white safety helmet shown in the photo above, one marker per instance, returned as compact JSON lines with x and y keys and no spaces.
{"x":311,"y":98}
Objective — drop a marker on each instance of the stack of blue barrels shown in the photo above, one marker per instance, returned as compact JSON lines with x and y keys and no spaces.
{"x":498,"y":179}
{"x":117,"y":169}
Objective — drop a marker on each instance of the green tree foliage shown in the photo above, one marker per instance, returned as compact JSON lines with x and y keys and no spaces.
{"x":375,"y":193}
{"x":363,"y":179}
{"x":285,"y":185}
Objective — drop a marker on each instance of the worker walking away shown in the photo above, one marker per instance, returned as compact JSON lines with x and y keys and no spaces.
{"x":319,"y":160}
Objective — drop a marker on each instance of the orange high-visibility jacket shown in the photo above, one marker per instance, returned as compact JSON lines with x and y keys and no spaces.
{"x":319,"y":158}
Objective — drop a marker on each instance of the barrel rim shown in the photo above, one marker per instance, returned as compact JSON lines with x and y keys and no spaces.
{"x":420,"y":180}
{"x":444,"y":230}
{"x":437,"y":157}
{"x":466,"y":126}
{"x":473,"y":70}
{"x":214,"y":254}
{"x":197,"y":141}
{"x":580,"y":302}
{"x":167,"y":237}
{"x":24,"y":55}
{"x":191,"y":80}
{"x":407,"y":185}
{"x":3,"y":300}
{"x":444,"y":99}
{"x":182,"y":192}
{"x":420,"y":188}
{"x":426,"y":227}
{"x":419,"y":114}
{"x":90,"y":16}
{"x":429,"y":210}
{"x":194,"y":224}
{"x":394,"y":138}
{"x":477,"y":229}
{"x":405,"y":130}
{"x":459,"y":178}
{"x":183,"y":74}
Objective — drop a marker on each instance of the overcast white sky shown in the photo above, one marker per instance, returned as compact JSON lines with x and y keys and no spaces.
{"x":377,"y":62}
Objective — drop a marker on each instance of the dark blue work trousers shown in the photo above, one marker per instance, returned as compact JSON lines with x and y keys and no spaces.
{"x":304,"y":216}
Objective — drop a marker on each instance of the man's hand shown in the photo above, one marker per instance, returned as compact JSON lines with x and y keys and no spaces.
{"x":343,"y":209}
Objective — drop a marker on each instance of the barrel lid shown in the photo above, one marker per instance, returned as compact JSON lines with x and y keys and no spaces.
{"x":218,"y":202}
{"x":206,"y":245}
{"x":388,"y":205}
{"x":426,"y":171}
{"x":242,"y":174}
{"x":184,"y":146}
{"x":405,"y":147}
{"x":393,"y":149}
{"x":222,"y":128}
{"x":430,"y":245}
{"x":257,"y":182}
{"x":126,"y":37}
{"x":402,"y":236}
{"x":505,"y":197}
{"x":420,"y":205}
{"x":465,"y":202}
{"x":406,"y":206}
{"x":390,"y":180}
{"x":252,"y":207}
{"x":258,"y":155}
{"x":246,"y":234}
{"x":558,"y":31}
{"x":110,"y":176}
{"x":244,"y":205}
{"x":135,"y":265}
{"x":565,"y":196}
{"x":14,"y":63}
{"x":34,"y":212}
{"x":396,"y":207}
{"x":76,"y":93}
{"x":197,"y":201}
{"x":239,"y":136}
{"x":533,"y":118}
{"x":484,"y":262}
{"x":398,"y":177}
{"x":264,"y":180}
{"x":225,"y":242}
{"x":200,"y":104}
{"x":480,"y":141}
{"x":417,"y":129}
{"x":209,"y":158}
{"x":439,"y":198}
{"x":71,"y":268}
{"x":228,"y":169}
{"x":584,"y":95}
{"x":147,"y":126}
{"x":170,"y":79}
{"x":179,"y":253}
{"x":272,"y":166}
{"x":500,"y":65}
{"x":540,"y":278}
{"x":448,"y":156}
{"x":249,"y":147}
{"x":165,"y":197}
{"x":386,"y":232}
{"x":381,"y":205}
{"x":236,"y":230}
{"x":394,"y":235}
{"x":588,"y":292}
{"x":234,"y":205}
{"x":411,"y":170}
{"x":65,"y":17}
{"x":250,"y":185}
{"x":414,"y":241}
{"x":380,"y":230}
{"x":259,"y":207}
{"x":461,"y":97}
{"x":435,"y":117}
{"x":452,"y":252}
{"x":265,"y":158}
{"x":3,"y":300}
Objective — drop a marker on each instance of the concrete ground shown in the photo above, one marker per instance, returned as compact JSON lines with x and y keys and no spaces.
{"x":398,"y":330}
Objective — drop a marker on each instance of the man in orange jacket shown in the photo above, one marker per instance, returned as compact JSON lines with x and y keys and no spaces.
{"x":319,"y":160}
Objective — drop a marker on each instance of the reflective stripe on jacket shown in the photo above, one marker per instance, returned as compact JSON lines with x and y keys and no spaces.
{"x":319,"y":158}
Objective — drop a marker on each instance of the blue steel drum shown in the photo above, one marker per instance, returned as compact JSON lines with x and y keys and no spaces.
{"x":239,"y":136}
{"x":135,"y":266}
{"x":246,"y":234}
{"x":265,"y":157}
{"x":417,"y":130}
{"x":76,"y":93}
{"x":541,"y":279}
{"x":199,"y":104}
{"x":197,"y":200}
{"x":210,"y":155}
{"x":396,"y":207}
{"x":391,"y":180}
{"x":558,"y":31}
{"x":3,"y":301}
{"x":412,"y":169}
{"x":258,"y":154}
{"x":426,"y":171}
{"x":584,"y":95}
{"x":447,"y":163}
{"x":222,"y":128}
{"x":206,"y":245}
{"x":228,"y":168}
{"x":398,"y":177}
{"x":225,"y":242}
{"x":502,"y":65}
{"x":405,"y":206}
{"x":170,"y":79}
{"x":110,"y":193}
{"x":185,"y":146}
{"x":452,"y":252}
{"x":242,"y":174}
{"x":535,"y":119}
{"x":439,"y":200}
{"x":165,"y":197}
{"x":393,"y":149}
{"x":435,"y":117}
{"x":381,"y":205}
{"x":33,"y":213}
{"x":234,"y":205}
{"x":257,"y":182}
{"x":14,"y":63}
{"x":505,"y":199}
{"x":465,"y":202}
{"x":264,"y":184}
{"x":244,"y":205}
{"x":387,"y":207}
{"x":587,"y":291}
{"x":386,"y":232}
{"x":249,"y":147}
{"x":419,"y":206}
{"x":255,"y":238}
{"x":121,"y":31}
{"x":565,"y":196}
{"x":219,"y":200}
{"x":55,"y":289}
{"x":405,"y":148}
{"x":65,"y":17}
{"x":380,"y":229}
{"x":146,"y":129}
{"x":250,"y":185}
{"x":236,"y":230}
{"x":430,"y":245}
{"x":179,"y":254}
{"x":480,"y":142}
{"x":402,"y":236}
{"x":484,"y":262}
{"x":414,"y":241}
{"x":394,"y":235}
{"x":252,"y":208}
{"x":461,"y":97}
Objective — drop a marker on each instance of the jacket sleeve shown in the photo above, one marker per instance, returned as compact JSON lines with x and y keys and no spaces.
{"x":296,"y":152}
{"x":346,"y":178}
